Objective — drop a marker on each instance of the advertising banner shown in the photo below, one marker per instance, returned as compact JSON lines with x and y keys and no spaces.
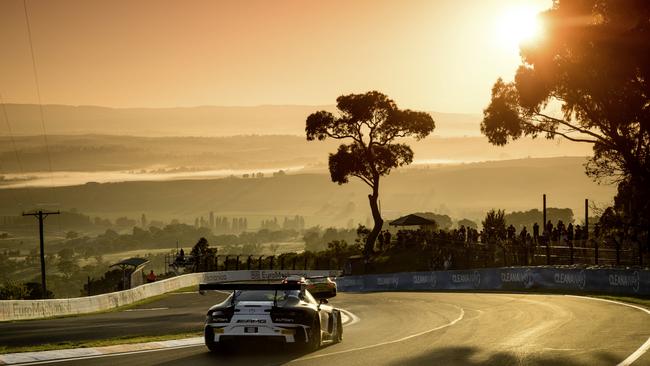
{"x":611,"y":281}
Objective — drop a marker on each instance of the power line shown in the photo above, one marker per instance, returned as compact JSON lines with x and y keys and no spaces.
{"x":38,"y":87}
{"x":13,"y":142}
{"x":40,"y":104}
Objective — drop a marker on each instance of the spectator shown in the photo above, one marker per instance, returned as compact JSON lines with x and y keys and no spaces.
{"x":555,"y":235}
{"x":380,"y":239}
{"x":569,"y":232}
{"x":523,"y":234}
{"x":511,"y":232}
{"x":535,"y":232}
{"x":462,"y":233}
{"x":151,"y":277}
{"x":447,"y":263}
{"x":180,"y":258}
{"x":387,"y":237}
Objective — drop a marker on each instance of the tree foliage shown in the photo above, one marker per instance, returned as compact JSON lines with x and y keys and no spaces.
{"x":494,"y":226}
{"x":594,"y":62}
{"x":372,"y":123}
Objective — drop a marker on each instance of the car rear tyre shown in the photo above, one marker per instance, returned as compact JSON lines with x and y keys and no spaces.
{"x":214,"y":347}
{"x":338,"y":337}
{"x":314,"y":341}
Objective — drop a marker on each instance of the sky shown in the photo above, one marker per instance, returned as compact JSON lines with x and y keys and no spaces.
{"x":441,"y":55}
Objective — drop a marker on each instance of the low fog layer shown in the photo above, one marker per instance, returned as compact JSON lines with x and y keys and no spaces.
{"x":462,"y":191}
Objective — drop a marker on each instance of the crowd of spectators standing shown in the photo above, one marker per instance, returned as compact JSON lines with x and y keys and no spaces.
{"x":505,"y":246}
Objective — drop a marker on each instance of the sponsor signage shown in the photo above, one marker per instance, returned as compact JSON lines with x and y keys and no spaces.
{"x":617,"y":281}
{"x":625,"y":280}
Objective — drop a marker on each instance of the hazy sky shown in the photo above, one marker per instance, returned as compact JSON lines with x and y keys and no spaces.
{"x":441,"y":55}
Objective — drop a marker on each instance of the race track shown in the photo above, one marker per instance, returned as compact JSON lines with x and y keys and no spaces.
{"x":403,"y":328}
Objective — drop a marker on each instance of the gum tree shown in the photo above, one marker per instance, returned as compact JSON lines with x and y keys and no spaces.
{"x":593,"y":62}
{"x":371,"y":123}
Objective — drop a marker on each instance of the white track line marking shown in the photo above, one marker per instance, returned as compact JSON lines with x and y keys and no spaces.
{"x":459,"y":318}
{"x":349,"y":318}
{"x":147,"y":309}
{"x":644,"y":347}
{"x":102,"y":356}
{"x":64,"y":355}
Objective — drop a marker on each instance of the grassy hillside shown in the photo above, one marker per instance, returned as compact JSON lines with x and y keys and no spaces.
{"x":461,"y":191}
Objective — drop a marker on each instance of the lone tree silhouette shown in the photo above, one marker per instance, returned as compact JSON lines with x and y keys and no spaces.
{"x":371,"y":122}
{"x":594,"y":60}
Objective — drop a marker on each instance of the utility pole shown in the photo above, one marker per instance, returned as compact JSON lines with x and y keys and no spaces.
{"x":41,"y":216}
{"x":544,"y":210}
{"x":586,"y":218}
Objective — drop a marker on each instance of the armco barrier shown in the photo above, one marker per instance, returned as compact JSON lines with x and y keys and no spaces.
{"x":35,"y":309}
{"x":606,"y":281}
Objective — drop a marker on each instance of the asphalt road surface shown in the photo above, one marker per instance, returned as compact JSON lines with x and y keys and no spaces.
{"x":403,"y":328}
{"x":176,"y":313}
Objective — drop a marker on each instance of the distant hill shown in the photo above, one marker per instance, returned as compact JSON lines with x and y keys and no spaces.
{"x":95,"y":153}
{"x":461,"y":191}
{"x":192,"y":121}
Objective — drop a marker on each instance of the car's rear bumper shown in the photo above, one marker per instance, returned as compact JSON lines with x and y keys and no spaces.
{"x":228,"y":331}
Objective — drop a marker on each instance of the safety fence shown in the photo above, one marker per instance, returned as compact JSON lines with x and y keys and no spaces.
{"x":35,"y":309}
{"x":228,"y":262}
{"x":606,"y":281}
{"x":461,"y":255}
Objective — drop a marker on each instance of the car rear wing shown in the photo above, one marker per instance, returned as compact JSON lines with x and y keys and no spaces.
{"x":234,"y":287}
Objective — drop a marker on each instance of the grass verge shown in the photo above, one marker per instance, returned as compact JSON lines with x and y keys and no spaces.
{"x":194,"y":288}
{"x":97,"y":343}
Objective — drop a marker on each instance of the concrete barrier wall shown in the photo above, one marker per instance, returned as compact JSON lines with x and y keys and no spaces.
{"x":36,"y":309}
{"x":605,"y":281}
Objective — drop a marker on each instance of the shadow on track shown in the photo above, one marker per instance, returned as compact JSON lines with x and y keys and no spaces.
{"x":472,"y":356}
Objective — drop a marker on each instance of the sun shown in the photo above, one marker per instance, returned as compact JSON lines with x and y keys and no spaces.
{"x":518,"y":25}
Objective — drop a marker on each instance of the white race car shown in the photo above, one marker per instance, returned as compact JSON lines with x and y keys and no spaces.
{"x":284,"y":312}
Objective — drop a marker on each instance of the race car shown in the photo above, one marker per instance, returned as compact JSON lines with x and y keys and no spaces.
{"x":284,"y":312}
{"x":321,"y":286}
{"x":296,"y":280}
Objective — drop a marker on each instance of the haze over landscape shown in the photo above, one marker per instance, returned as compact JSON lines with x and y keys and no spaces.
{"x":162,"y":111}
{"x":367,"y":182}
{"x":156,"y":144}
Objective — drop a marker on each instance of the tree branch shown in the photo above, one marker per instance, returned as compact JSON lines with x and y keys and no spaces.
{"x":570,"y":138}
{"x":341,"y":137}
{"x":388,"y":139}
{"x":364,"y":179}
{"x":579,"y":129}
